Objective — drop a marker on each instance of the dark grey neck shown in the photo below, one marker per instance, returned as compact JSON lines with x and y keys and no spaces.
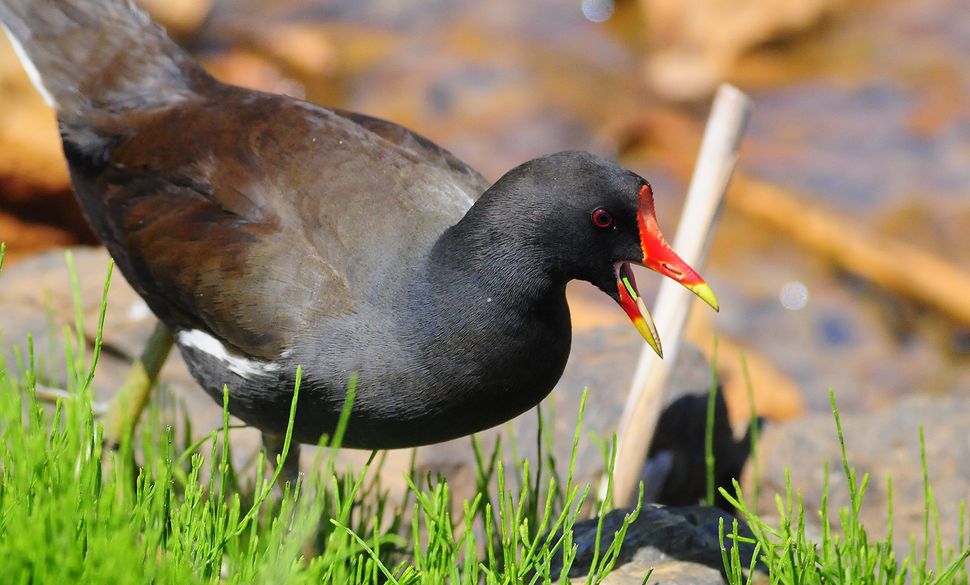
{"x":481,"y":254}
{"x":500,"y":248}
{"x":493,"y":324}
{"x":486,"y":273}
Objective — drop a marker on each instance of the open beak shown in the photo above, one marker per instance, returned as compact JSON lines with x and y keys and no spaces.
{"x":659,"y":257}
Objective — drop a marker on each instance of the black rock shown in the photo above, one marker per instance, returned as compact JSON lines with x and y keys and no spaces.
{"x":681,"y":544}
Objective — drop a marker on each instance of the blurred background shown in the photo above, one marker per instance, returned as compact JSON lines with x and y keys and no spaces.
{"x":841,"y":257}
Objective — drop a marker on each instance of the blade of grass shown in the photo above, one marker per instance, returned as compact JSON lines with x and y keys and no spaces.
{"x":709,"y":428}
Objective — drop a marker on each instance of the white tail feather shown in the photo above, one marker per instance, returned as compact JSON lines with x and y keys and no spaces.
{"x":30,"y":68}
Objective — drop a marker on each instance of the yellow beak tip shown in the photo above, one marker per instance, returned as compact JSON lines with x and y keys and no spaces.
{"x":705,"y":293}
{"x":649,"y":332}
{"x":654,"y":344}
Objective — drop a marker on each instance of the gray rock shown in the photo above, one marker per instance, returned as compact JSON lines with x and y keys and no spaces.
{"x":675,"y":573}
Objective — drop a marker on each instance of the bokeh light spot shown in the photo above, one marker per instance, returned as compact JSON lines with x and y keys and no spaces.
{"x":598,"y":10}
{"x":794,"y":296}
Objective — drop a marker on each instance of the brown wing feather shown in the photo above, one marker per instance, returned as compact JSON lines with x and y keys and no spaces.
{"x":258,"y":201}
{"x":430,"y":153}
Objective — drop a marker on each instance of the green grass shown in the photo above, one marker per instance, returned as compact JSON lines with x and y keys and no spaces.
{"x":171,"y":508}
{"x":847,"y":554}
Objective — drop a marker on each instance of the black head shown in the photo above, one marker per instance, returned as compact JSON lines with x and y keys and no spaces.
{"x":581,"y":216}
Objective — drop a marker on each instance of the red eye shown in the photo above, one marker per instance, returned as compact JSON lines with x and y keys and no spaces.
{"x":602,"y":218}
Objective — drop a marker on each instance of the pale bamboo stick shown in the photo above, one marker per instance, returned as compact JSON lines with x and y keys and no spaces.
{"x":725,"y":126}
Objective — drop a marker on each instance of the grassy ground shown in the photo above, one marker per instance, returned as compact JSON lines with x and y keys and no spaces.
{"x":172,"y":510}
{"x":844,"y":552}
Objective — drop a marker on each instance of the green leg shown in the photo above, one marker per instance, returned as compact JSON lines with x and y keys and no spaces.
{"x":273,"y":444}
{"x":130,"y":401}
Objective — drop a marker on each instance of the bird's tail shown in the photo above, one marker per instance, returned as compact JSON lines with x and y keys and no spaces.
{"x":89,"y":56}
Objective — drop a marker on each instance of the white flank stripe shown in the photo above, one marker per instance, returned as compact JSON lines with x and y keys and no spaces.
{"x":30,"y":68}
{"x":209,"y":345}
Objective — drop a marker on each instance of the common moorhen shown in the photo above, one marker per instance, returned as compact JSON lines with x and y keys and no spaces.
{"x":267,"y":232}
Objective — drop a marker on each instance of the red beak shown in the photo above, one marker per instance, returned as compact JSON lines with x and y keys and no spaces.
{"x":659,"y":257}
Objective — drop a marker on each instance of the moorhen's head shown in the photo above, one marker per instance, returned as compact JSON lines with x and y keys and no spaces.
{"x":592,"y":219}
